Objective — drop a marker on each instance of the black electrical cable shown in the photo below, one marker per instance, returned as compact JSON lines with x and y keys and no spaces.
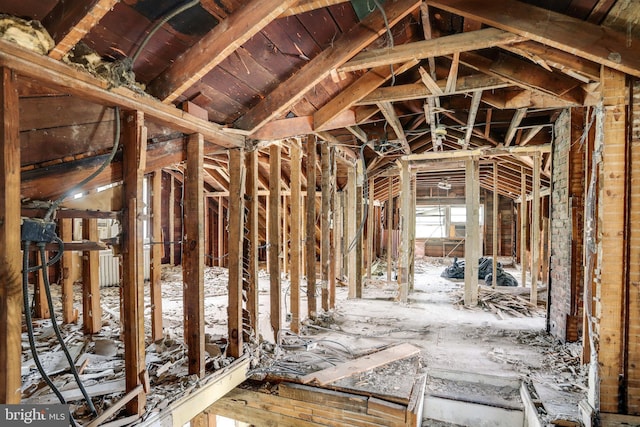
{"x":54,"y":206}
{"x":54,"y":323}
{"x":28,"y":320}
{"x":171,"y":14}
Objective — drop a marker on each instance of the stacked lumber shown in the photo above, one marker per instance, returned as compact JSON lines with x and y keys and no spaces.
{"x":500,"y":303}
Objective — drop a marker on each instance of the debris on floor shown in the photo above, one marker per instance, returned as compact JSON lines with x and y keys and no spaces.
{"x":500,"y":303}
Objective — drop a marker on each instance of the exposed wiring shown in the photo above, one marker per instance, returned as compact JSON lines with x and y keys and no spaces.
{"x":167,"y":17}
{"x":54,"y":206}
{"x":28,"y":320}
{"x":365,"y":194}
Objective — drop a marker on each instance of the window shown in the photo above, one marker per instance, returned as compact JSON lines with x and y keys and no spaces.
{"x":442,"y":221}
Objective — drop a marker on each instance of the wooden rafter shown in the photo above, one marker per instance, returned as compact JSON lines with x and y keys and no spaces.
{"x":513,"y":126}
{"x":350,"y":43}
{"x":584,"y":39}
{"x":70,"y":20}
{"x":473,"y":111}
{"x":390,"y":115}
{"x":440,"y":46}
{"x":216,"y":46}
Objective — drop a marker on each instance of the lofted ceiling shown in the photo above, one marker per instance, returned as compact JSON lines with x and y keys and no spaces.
{"x":375,"y":79}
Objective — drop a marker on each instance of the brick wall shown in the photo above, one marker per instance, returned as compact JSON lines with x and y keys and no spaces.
{"x":560,"y":305}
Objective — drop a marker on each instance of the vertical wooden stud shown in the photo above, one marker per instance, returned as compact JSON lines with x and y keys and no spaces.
{"x":10,"y":258}
{"x":370,"y":225}
{"x":65,"y":232}
{"x":494,"y":240}
{"x":156,"y":256}
{"x":193,"y":256}
{"x":296,"y":236}
{"x":350,"y":242}
{"x":251,"y":161}
{"x":389,"y":228}
{"x":406,"y":240}
{"x":275,"y":167}
{"x":310,"y":244}
{"x":324,"y":222}
{"x":359,"y":201}
{"x":134,"y":160}
{"x":221,"y":233}
{"x":236,"y":240}
{"x":472,"y":231}
{"x":172,"y":223}
{"x":91,"y":311}
{"x":535,"y":229}
{"x":524,"y":216}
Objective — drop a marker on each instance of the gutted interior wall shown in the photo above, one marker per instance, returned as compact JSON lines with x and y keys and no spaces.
{"x":560,"y":230}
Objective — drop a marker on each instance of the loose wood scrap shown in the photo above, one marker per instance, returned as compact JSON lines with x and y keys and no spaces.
{"x":500,"y":303}
{"x":361,"y":364}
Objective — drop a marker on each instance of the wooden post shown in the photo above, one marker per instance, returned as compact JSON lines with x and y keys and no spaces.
{"x":91,"y":310}
{"x":40,"y":305}
{"x":338,"y":234}
{"x":494,"y":241}
{"x":156,"y":256}
{"x":172,"y":222}
{"x":236,"y":240}
{"x":472,"y":231}
{"x":134,"y":161}
{"x":359,"y":200}
{"x":284,"y":265}
{"x":324,"y":222}
{"x":389,"y":227}
{"x":296,"y":236}
{"x":193,"y":256}
{"x":406,"y":240}
{"x":310,"y":244}
{"x":611,"y":264}
{"x":334,"y":256}
{"x":251,"y":161}
{"x":274,"y":238}
{"x":370,"y":230}
{"x":351,"y":231}
{"x":523,"y":227}
{"x":412,"y":232}
{"x":535,"y":230}
{"x":10,"y":257}
{"x":221,"y":233}
{"x":65,"y":232}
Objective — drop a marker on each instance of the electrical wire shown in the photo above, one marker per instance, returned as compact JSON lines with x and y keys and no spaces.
{"x":54,"y":206}
{"x":167,"y":17}
{"x":54,"y":323}
{"x":365,"y":194}
{"x":28,"y":320}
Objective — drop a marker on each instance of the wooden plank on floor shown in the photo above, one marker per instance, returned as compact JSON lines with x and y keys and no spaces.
{"x":193,"y":256}
{"x":361,"y":364}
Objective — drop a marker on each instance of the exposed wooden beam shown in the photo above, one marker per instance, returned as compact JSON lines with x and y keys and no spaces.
{"x":253,"y":228}
{"x":69,"y":80}
{"x":70,"y":20}
{"x":350,"y":43}
{"x":595,"y":43}
{"x":531,"y":133}
{"x":453,"y":74}
{"x":471,"y":120}
{"x":574,"y":66}
{"x":10,"y":257}
{"x":324,"y":222}
{"x":430,"y":83}
{"x":441,"y":46}
{"x":370,"y":81}
{"x":419,"y":90}
{"x":472,"y":231}
{"x":309,"y":5}
{"x":513,"y":126}
{"x":358,"y":133}
{"x":216,"y":46}
{"x":310,"y":223}
{"x":386,"y":108}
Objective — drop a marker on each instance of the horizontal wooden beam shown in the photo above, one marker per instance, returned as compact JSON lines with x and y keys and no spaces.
{"x":62,"y":77}
{"x":441,"y":46}
{"x":480,"y":152}
{"x":593,"y":42}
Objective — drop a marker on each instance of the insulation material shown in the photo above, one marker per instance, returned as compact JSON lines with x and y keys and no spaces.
{"x":27,"y":34}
